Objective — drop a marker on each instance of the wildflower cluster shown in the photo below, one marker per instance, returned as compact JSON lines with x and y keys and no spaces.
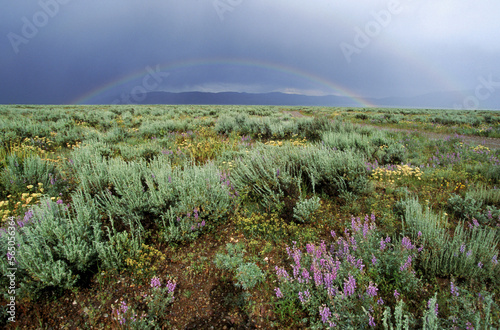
{"x":157,"y":301}
{"x":480,"y":149}
{"x":144,"y":262}
{"x":398,"y":173}
{"x":10,"y":207}
{"x":265,"y":226}
{"x":335,"y":284}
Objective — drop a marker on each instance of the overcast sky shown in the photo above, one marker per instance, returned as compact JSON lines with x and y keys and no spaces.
{"x":69,"y":51}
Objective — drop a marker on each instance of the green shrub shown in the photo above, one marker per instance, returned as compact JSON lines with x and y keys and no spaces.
{"x":246,"y":274}
{"x":468,"y":253}
{"x":305,"y":208}
{"x":55,"y":245}
{"x":484,"y":195}
{"x":22,"y":172}
{"x":348,"y":141}
{"x":266,"y":173}
{"x":139,"y":195}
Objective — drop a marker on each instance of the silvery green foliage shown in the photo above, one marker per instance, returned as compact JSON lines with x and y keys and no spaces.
{"x":247,"y":274}
{"x":457,"y":255}
{"x":119,"y":246}
{"x":232,"y":259}
{"x":90,"y":165}
{"x":484,"y":195}
{"x":305,"y":208}
{"x":281,"y":126}
{"x":430,"y":320}
{"x":398,"y":316}
{"x":266,"y":172}
{"x":136,"y":194}
{"x":56,"y":245}
{"x":160,"y":127}
{"x":348,"y":141}
{"x":32,"y":170}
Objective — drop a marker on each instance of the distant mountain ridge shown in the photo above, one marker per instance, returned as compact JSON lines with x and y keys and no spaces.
{"x":444,"y":100}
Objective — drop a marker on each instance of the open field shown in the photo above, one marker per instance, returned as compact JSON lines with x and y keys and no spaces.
{"x":199,"y":217}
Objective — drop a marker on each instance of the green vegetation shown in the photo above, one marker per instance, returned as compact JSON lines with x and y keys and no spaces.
{"x":196,"y":216}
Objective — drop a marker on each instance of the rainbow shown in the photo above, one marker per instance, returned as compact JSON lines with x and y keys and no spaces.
{"x":335,"y":89}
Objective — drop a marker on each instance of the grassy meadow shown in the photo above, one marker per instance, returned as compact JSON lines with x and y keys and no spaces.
{"x":200,"y":217}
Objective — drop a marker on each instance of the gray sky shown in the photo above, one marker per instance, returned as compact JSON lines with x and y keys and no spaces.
{"x":67,"y":51}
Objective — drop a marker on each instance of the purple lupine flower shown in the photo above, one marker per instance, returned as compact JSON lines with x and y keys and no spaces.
{"x":453,"y":289}
{"x":155,"y":282}
{"x":494,"y":260}
{"x":332,"y":292}
{"x":396,"y":294}
{"x":349,"y":286}
{"x":329,"y":278}
{"x":406,"y":265}
{"x":371,"y":322}
{"x":474,"y":221}
{"x":318,"y":278}
{"x":59,"y":201}
{"x":420,"y":249}
{"x":360,"y":264}
{"x":480,"y":264}
{"x":202,"y":223}
{"x":302,"y":297}
{"x":462,"y":248}
{"x":324,"y":313}
{"x":366,"y":228}
{"x":387,"y":239}
{"x":278,"y":293}
{"x":171,"y":286}
{"x":281,"y":273}
{"x":278,"y":172}
{"x":374,"y":260}
{"x":419,"y":233}
{"x":28,"y":215}
{"x":469,"y":253}
{"x":371,"y":290}
{"x":382,"y":245}
{"x":306,"y":275}
{"x":124,"y":307}
{"x":435,"y":306}
{"x":333,"y":234}
{"x":469,"y":326}
{"x":406,"y":242}
{"x":380,"y":301}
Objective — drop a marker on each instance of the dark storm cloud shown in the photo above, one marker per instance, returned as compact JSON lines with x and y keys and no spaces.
{"x":53,"y":51}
